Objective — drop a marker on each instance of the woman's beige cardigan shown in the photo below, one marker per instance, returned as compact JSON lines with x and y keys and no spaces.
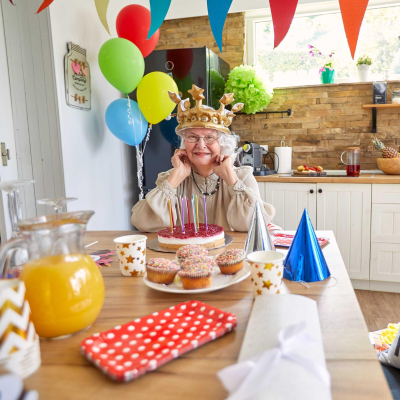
{"x":230,"y":207}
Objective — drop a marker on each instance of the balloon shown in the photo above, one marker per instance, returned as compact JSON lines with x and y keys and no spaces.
{"x":152,"y":96}
{"x":122,"y":64}
{"x":182,"y":60}
{"x":167,"y":129}
{"x":133,"y":24}
{"x":126,"y":122}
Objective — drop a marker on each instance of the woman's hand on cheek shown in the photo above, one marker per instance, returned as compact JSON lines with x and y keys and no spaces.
{"x":223,"y":168}
{"x":182,"y":168}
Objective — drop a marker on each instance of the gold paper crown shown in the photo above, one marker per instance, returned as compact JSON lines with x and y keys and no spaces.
{"x":202,"y":116}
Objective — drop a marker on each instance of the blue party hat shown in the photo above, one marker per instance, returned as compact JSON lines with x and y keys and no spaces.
{"x":305,"y":261}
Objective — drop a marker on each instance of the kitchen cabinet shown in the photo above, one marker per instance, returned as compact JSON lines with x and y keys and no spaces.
{"x":346,"y":210}
{"x":290,"y":200}
{"x":385,"y":234}
{"x":343,"y":208}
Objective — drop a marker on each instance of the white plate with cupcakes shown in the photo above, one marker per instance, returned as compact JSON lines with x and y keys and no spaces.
{"x":195,"y":272}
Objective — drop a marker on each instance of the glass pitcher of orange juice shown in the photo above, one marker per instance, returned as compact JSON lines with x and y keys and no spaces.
{"x":64,"y":286}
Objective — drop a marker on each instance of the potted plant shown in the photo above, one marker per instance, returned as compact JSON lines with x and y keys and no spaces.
{"x":326,"y":71}
{"x":364,"y":68}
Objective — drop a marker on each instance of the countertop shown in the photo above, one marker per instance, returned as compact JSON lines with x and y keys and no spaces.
{"x":367,"y":177}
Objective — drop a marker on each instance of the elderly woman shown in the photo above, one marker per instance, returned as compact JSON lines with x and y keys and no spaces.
{"x":204,"y":167}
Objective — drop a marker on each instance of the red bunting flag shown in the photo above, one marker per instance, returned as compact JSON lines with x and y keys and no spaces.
{"x":353,"y":15}
{"x":282,"y":16}
{"x":44,"y":5}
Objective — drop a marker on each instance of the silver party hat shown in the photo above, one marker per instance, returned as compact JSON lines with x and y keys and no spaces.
{"x":258,"y":237}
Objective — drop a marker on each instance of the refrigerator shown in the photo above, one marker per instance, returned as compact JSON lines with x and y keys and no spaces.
{"x":199,"y":66}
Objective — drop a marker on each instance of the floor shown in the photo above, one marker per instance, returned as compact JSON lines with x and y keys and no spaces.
{"x":379,"y":308}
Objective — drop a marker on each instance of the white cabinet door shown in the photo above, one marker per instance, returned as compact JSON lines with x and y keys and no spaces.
{"x":385,"y":223}
{"x":385,"y":262}
{"x":346,"y":210}
{"x":261,"y":187}
{"x":290,"y":200}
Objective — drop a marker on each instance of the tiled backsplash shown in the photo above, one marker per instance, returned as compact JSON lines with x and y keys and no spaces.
{"x":325,"y":120}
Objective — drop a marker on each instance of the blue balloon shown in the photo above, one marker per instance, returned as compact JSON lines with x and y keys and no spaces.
{"x":126,"y":122}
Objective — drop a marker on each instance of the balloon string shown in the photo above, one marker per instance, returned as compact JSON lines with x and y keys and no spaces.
{"x":139,"y":158}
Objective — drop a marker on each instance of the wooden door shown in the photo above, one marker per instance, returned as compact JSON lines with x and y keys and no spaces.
{"x":8,"y":172}
{"x":346,"y":210}
{"x":34,"y":103}
{"x":290,"y":200}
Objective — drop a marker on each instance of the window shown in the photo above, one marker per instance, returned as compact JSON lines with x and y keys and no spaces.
{"x":321,"y":25}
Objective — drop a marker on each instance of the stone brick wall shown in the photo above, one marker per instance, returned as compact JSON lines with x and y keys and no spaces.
{"x":325,"y":120}
{"x":196,"y":32}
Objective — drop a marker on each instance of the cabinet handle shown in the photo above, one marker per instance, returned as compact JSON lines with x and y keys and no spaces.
{"x":311,"y":191}
{"x":319,"y":190}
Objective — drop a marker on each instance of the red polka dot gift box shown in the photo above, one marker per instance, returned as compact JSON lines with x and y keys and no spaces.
{"x":131,"y":350}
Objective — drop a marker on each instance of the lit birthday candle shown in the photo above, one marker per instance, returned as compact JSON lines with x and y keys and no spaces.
{"x":188,"y":211}
{"x":183,"y":215}
{"x":194,"y":214}
{"x":170,"y":215}
{"x":197,"y":212}
{"x":205,"y":211}
{"x":178,"y":210}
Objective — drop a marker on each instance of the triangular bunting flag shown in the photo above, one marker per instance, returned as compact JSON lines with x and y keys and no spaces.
{"x":217,"y":13}
{"x":352,"y":14}
{"x":282,"y":16}
{"x":159,"y":10}
{"x":101,"y":8}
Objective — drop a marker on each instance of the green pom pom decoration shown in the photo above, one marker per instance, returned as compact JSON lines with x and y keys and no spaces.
{"x":251,"y":86}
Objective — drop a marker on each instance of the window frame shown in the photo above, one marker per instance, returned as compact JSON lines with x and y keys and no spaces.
{"x":303,"y":10}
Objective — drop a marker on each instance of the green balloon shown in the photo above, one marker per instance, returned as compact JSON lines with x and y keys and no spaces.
{"x":122,"y":64}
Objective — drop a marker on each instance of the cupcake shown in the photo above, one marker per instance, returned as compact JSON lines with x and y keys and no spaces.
{"x":230,"y":261}
{"x":191,"y":250}
{"x":161,"y":270}
{"x":196,"y":272}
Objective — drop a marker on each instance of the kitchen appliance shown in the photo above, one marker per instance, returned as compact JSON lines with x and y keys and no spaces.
{"x":199,"y":66}
{"x":283,"y":158}
{"x":352,"y":161}
{"x":253,"y":156}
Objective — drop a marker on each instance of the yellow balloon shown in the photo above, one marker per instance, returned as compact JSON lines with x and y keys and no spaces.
{"x":153,"y":98}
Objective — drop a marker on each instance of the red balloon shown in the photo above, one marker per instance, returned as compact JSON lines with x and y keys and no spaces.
{"x":133,"y":23}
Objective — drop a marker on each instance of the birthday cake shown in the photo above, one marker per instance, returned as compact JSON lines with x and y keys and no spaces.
{"x":210,"y":236}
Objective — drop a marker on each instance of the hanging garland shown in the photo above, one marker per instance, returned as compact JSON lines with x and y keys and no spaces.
{"x":282,"y":11}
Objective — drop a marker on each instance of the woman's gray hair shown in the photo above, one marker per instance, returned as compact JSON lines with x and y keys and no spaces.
{"x":227,"y":142}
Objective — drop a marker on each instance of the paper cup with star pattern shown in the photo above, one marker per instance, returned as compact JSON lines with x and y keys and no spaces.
{"x":131,"y":252}
{"x":266,"y":272}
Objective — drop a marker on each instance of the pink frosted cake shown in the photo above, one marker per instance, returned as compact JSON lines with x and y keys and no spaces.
{"x":211,"y":237}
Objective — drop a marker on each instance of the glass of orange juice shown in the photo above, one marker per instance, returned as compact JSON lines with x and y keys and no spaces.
{"x":64,"y":286}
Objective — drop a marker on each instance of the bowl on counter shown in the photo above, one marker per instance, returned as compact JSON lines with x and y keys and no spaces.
{"x":390,"y":166}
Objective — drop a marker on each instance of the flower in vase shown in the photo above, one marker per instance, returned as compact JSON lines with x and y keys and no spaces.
{"x":321,"y":70}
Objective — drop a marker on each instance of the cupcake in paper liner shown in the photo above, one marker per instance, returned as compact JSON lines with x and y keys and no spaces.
{"x":161,"y":270}
{"x":196,"y":273}
{"x":190,"y":250}
{"x":230,"y":261}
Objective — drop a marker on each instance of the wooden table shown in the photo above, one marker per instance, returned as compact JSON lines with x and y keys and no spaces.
{"x":65,"y":374}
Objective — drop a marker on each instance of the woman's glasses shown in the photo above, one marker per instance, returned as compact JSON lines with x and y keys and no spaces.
{"x":206,"y":139}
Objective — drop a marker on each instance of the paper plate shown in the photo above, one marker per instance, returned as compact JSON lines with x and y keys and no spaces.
{"x":154,"y":245}
{"x":219,"y":282}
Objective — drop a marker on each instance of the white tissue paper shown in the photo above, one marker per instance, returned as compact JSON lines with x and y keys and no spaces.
{"x":282,"y":355}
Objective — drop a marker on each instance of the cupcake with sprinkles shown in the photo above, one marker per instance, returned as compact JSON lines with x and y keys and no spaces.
{"x":196,"y":272}
{"x":191,"y":250}
{"x":230,"y":261}
{"x":161,"y":270}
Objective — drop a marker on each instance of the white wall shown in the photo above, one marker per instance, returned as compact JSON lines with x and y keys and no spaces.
{"x":95,"y":162}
